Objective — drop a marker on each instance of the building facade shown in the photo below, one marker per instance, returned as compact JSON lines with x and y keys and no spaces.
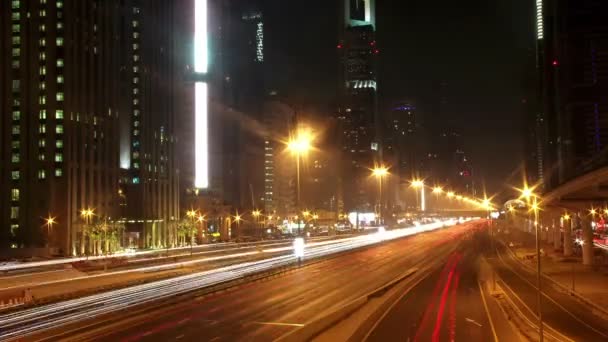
{"x":78,"y":77}
{"x":358,"y":100}
{"x":572,"y":44}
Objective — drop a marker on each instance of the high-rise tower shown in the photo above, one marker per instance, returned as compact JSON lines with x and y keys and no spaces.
{"x":357,"y":112}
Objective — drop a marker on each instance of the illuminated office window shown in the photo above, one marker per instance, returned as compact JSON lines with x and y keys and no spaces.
{"x":16,"y":115}
{"x":60,"y":63}
{"x":59,"y":114}
{"x":16,"y":130}
{"x":58,"y":157}
{"x":42,"y":143}
{"x":41,"y":174}
{"x":58,"y":172}
{"x":15,"y":4}
{"x":14,"y":194}
{"x":42,"y":13}
{"x":15,"y":158}
{"x":59,"y":41}
{"x":59,"y":25}
{"x":14,"y":213}
{"x":15,"y":16}
{"x":15,"y":175}
{"x":42,"y":114}
{"x":60,"y":79}
{"x":16,"y":52}
{"x":16,"y":40}
{"x":42,"y":85}
{"x":59,"y":129}
{"x":15,"y":144}
{"x":59,"y":97}
{"x":59,"y":143}
{"x":41,"y":157}
{"x":42,"y":128}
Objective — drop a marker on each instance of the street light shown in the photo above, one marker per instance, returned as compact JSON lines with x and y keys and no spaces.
{"x":419,"y":184}
{"x":49,"y":222}
{"x":256,"y":214}
{"x":450,"y":194}
{"x":380,"y":172}
{"x":191,"y":214}
{"x":535,"y":207}
{"x":300,"y":145}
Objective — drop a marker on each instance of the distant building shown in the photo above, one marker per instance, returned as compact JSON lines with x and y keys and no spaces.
{"x":572,"y":42}
{"x":87,"y":88}
{"x":279,"y":168}
{"x":357,"y":112}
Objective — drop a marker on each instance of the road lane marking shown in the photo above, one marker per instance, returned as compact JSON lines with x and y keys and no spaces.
{"x":485,"y":306}
{"x":472,"y":321}
{"x":280,"y":324}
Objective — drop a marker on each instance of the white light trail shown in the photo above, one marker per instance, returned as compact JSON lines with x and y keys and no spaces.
{"x":37,"y":319}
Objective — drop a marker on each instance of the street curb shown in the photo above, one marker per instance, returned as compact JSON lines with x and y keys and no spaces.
{"x":598,"y":310}
{"x":320,"y":324}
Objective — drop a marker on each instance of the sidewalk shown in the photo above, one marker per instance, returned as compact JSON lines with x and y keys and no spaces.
{"x":590,"y":283}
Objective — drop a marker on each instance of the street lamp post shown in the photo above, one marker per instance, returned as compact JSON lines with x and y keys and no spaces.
{"x":419,"y":184}
{"x":191,"y":214}
{"x":256,"y":215}
{"x":299,"y":145}
{"x":380,"y":172}
{"x":49,"y":222}
{"x":536,"y":209}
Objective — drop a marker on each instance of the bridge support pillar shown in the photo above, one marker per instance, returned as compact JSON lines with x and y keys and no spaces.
{"x":557,"y":231}
{"x":568,"y":224}
{"x":548,"y":226}
{"x":587,"y":239}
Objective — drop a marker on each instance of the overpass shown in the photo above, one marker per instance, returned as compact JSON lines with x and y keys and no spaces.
{"x":576,"y":204}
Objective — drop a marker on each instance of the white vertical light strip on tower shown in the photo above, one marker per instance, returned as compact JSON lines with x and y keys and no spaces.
{"x":259,"y":37}
{"x":201,"y":179}
{"x":540,"y":29}
{"x":201,"y":61}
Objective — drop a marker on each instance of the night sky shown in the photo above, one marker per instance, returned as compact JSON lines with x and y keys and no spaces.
{"x":478,"y":47}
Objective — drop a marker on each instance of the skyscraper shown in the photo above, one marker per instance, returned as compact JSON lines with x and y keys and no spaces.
{"x":88,"y":85}
{"x":357,"y":112}
{"x":572,"y":40}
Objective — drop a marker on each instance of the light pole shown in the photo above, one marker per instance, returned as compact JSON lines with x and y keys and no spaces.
{"x":237,"y":220}
{"x":419,"y":184}
{"x":86,"y":215}
{"x":437,"y":190}
{"x":256,"y":215}
{"x":380,"y":172}
{"x":299,"y":145}
{"x":49,"y":222}
{"x":535,"y":208}
{"x":191,"y":214}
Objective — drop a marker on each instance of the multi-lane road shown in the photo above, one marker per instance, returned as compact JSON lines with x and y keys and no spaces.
{"x":446,"y":299}
{"x":265,"y":309}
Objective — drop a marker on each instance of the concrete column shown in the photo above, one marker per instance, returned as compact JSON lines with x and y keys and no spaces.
{"x":549,"y":228}
{"x":557,"y":234}
{"x":587,"y":239}
{"x":568,"y":224}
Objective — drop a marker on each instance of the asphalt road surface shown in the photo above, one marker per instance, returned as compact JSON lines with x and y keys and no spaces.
{"x":268,"y":309}
{"x":446,"y":306}
{"x":560,"y":311}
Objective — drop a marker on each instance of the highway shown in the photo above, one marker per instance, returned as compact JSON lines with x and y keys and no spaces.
{"x":74,"y":312}
{"x":445,"y":306}
{"x":560,"y":311}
